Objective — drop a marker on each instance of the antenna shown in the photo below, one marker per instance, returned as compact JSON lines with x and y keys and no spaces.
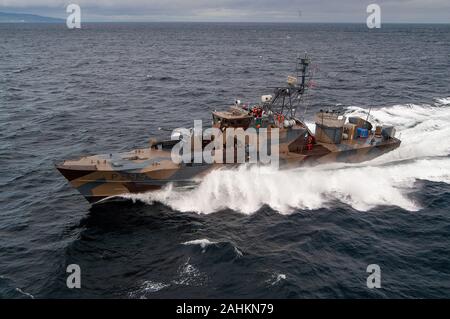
{"x":287,"y":98}
{"x":367,"y":118}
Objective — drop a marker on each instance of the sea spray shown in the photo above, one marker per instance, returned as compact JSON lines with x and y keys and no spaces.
{"x":387,"y":180}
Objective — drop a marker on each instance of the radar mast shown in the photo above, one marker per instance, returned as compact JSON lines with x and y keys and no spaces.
{"x":287,"y":99}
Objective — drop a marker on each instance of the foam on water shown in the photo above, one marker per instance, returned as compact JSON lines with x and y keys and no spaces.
{"x":387,"y":180}
{"x":146,"y":288}
{"x":202,"y":242}
{"x":276,"y":278}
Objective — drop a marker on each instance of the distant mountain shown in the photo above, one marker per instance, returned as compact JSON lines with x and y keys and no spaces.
{"x":26,"y":18}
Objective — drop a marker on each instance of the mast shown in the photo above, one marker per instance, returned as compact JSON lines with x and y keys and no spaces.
{"x":287,"y":98}
{"x":303,"y":64}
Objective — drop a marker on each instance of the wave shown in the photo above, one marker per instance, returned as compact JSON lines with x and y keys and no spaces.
{"x":276,"y":278}
{"x":227,"y":249}
{"x":189,"y":275}
{"x":146,"y":288}
{"x":167,"y":79}
{"x":443,"y":101}
{"x":24,"y":69}
{"x":387,"y":180}
{"x":203,"y":243}
{"x":25,"y":293}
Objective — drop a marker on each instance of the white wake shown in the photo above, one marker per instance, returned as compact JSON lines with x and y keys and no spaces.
{"x":387,"y":180}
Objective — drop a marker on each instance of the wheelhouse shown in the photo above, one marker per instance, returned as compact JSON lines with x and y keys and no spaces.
{"x":232,"y":118}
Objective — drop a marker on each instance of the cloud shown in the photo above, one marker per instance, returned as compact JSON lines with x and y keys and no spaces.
{"x":239,"y":10}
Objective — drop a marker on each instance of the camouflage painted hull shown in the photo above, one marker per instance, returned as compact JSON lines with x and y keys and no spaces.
{"x":115,"y":175}
{"x":104,"y":176}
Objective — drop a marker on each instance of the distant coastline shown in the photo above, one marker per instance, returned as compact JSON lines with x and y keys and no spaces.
{"x":26,"y":18}
{"x":34,"y":18}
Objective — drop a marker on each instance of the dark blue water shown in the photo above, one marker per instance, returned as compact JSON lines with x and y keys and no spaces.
{"x":250,"y":233}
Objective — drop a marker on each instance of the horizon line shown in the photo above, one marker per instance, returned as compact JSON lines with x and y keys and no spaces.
{"x":97,"y":20}
{"x":229,"y":22}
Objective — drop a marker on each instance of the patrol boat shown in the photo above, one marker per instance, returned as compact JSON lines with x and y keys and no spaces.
{"x":336,"y":139}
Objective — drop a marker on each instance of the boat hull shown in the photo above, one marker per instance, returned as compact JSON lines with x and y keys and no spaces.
{"x":96,"y":185}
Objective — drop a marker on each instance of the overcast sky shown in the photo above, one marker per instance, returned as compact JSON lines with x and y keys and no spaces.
{"x":419,"y":11}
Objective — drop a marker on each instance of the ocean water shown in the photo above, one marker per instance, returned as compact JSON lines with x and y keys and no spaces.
{"x":302,"y":233}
